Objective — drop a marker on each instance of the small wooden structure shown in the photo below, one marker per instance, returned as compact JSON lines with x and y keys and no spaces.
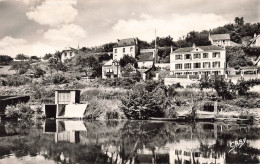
{"x":67,"y":105}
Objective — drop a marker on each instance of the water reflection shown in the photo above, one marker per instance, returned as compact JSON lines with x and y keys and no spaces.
{"x":69,"y":141}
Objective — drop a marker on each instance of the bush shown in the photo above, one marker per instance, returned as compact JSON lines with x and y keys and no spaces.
{"x":147,"y":100}
{"x":19,"y":111}
{"x":59,"y":79}
{"x":13,"y":80}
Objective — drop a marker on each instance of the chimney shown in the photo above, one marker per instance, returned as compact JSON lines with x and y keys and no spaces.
{"x":118,"y":40}
{"x":193,"y":46}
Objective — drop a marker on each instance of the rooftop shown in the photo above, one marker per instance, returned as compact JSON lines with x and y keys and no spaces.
{"x":126,"y":42}
{"x":220,"y":37}
{"x":205,"y":48}
{"x":145,"y":56}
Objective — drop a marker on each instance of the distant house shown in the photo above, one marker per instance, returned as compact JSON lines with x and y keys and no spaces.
{"x":221,"y":40}
{"x":255,"y":42}
{"x":68,"y":53}
{"x":125,"y":47}
{"x":111,"y":69}
{"x":146,"y":58}
{"x":198,"y":60}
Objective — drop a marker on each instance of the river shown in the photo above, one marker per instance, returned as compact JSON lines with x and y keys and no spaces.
{"x":124,"y":141}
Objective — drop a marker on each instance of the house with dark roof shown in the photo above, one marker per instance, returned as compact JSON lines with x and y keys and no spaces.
{"x":198,"y":60}
{"x":146,"y":58}
{"x":221,"y":40}
{"x":125,"y":47}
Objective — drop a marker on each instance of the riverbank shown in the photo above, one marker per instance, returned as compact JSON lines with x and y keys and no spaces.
{"x":144,"y":99}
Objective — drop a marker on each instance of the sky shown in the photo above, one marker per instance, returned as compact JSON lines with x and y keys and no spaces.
{"x":37,"y":27}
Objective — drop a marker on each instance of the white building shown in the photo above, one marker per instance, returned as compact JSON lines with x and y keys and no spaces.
{"x":198,"y":60}
{"x":68,"y":53}
{"x":125,"y":47}
{"x":221,"y":40}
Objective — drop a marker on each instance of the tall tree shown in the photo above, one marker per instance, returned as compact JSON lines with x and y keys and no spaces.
{"x":126,"y":60}
{"x":21,"y":57}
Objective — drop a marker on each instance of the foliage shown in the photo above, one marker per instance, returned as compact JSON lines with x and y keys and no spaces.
{"x":236,"y":57}
{"x":126,"y":83}
{"x":197,"y":38}
{"x":34,"y":58}
{"x":147,"y":100}
{"x":126,"y":60}
{"x":104,"y":57}
{"x":14,"y":80}
{"x":89,"y":65}
{"x":129,"y":71}
{"x":20,"y":67}
{"x":21,"y":57}
{"x":164,"y":41}
{"x":5,"y":59}
{"x":225,"y":89}
{"x":243,"y":86}
{"x":47,"y":56}
{"x":21,"y":111}
{"x":104,"y":109}
{"x":38,"y":72}
{"x":59,"y":79}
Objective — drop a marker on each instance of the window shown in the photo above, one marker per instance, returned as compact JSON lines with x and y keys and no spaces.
{"x":115,"y":50}
{"x":131,"y":49}
{"x":196,"y":56}
{"x":216,"y":64}
{"x":65,"y":54}
{"x":187,"y":65}
{"x":178,"y":66}
{"x":123,"y":49}
{"x":178,"y":57}
{"x":70,"y":53}
{"x":187,"y":56}
{"x":206,"y":64}
{"x":205,"y":55}
{"x":216,"y":55}
{"x":196,"y":65}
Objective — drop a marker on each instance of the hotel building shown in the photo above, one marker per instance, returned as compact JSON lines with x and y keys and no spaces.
{"x":198,"y":60}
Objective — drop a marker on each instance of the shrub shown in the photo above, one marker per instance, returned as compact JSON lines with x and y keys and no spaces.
{"x":147,"y":100}
{"x":59,"y":79}
{"x":14,"y":80}
{"x":21,"y":111}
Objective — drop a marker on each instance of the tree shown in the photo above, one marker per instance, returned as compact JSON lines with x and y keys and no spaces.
{"x":38,"y":72}
{"x":21,"y":57}
{"x":164,"y":42}
{"x":20,"y":67}
{"x":89,"y":65}
{"x":128,"y":59}
{"x":47,"y":56}
{"x":5,"y":59}
{"x":52,"y":62}
{"x":239,"y":21}
{"x":199,"y":39}
{"x":34,"y":58}
{"x":108,"y":47}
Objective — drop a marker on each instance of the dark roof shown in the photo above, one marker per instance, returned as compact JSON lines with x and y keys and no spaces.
{"x":205,"y":48}
{"x":185,"y":49}
{"x":145,"y":56}
{"x":220,"y":37}
{"x":126,"y":42}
